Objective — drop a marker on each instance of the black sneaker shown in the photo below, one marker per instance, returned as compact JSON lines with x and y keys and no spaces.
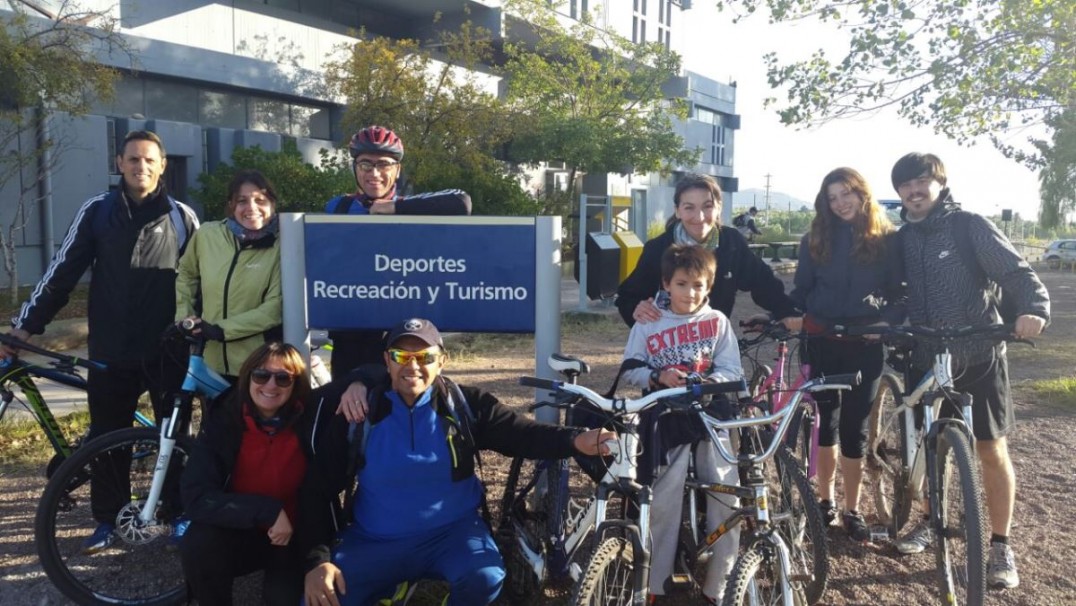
{"x":829,"y":512}
{"x":856,"y":526}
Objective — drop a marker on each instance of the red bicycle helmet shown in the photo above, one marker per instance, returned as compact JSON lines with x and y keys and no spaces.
{"x":376,"y":140}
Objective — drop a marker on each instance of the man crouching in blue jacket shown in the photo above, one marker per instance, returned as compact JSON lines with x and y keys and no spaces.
{"x":412,"y":499}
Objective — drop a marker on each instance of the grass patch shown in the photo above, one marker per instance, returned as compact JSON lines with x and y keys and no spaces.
{"x":1056,"y":392}
{"x":23,"y":442}
{"x":75,"y":308}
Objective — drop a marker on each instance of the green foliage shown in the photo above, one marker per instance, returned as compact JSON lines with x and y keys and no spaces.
{"x":783,"y":226}
{"x":302,"y":187}
{"x":966,"y":68}
{"x":1059,"y":392}
{"x":596,"y":111}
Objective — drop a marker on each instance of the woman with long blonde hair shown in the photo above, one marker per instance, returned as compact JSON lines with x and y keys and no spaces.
{"x":846,"y":275}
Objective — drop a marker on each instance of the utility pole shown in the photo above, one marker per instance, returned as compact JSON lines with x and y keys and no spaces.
{"x":768,"y":175}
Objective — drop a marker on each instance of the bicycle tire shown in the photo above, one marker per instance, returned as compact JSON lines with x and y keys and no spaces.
{"x":960,"y":543}
{"x":758,"y":377}
{"x":608,"y":577}
{"x":805,"y":530}
{"x":888,"y":470}
{"x":754,"y":580}
{"x":521,"y":520}
{"x":141,"y":569}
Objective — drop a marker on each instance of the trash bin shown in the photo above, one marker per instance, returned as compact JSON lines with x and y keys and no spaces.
{"x":631,"y":248}
{"x":603,"y":266}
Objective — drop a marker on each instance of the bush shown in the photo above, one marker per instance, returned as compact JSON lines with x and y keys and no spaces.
{"x":302,"y":187}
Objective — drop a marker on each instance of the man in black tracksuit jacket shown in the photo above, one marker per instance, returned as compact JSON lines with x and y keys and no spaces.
{"x":130,"y":239}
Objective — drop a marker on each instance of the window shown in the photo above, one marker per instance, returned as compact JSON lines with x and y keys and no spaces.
{"x":268,"y":115}
{"x":225,"y":110}
{"x":577,"y":8}
{"x":128,"y":99}
{"x":638,"y":22}
{"x":171,"y":101}
{"x":717,"y":146}
{"x":665,"y":22}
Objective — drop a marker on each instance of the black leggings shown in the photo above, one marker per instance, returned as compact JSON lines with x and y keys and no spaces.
{"x":844,"y":414}
{"x":213,"y":556}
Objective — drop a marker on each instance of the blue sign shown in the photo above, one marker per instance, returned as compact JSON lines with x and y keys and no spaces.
{"x":466,"y":274}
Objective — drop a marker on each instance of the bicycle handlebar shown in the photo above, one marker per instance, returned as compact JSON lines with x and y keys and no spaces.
{"x":62,"y":358}
{"x":995,"y":332}
{"x":767,"y":329}
{"x":627,"y":405}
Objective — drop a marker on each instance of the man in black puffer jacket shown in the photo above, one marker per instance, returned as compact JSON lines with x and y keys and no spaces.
{"x":943,"y":292}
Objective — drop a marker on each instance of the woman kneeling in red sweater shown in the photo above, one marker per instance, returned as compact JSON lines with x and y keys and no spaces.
{"x":240,"y":487}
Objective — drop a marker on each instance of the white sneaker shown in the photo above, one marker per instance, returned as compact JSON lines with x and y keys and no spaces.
{"x":1001,"y":569}
{"x":917,"y":540}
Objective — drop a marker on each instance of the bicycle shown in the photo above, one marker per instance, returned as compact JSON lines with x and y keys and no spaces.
{"x":542,"y":521}
{"x":770,"y":388}
{"x":787,"y":534}
{"x":909,"y":442}
{"x":18,"y":373}
{"x":142,"y":565}
{"x":617,"y":571}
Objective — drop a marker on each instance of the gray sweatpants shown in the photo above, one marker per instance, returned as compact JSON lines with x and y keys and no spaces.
{"x":667,"y":509}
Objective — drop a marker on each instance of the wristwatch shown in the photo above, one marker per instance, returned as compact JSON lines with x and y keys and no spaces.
{"x":655,"y":377}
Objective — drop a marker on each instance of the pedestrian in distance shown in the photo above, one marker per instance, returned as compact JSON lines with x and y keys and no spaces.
{"x":948,"y":287}
{"x":133,"y":238}
{"x":745,"y":223}
{"x":229,"y":277}
{"x":413,"y":502}
{"x":846,"y":275}
{"x":241,"y":484}
{"x":377,"y":154}
{"x":697,"y":220}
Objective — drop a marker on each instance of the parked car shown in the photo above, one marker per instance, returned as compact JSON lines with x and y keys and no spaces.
{"x":1061,"y":250}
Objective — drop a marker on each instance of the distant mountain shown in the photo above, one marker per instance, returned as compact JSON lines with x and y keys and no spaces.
{"x":757,"y":197}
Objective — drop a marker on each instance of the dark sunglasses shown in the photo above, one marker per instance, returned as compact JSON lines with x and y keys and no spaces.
{"x":261,"y":376}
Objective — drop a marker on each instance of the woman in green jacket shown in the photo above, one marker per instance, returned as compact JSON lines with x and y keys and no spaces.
{"x":229,"y":277}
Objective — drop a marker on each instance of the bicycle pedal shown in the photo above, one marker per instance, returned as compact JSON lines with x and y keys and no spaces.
{"x":679,"y":578}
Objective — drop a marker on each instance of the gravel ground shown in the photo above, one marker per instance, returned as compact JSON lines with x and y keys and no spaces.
{"x":1042,"y":447}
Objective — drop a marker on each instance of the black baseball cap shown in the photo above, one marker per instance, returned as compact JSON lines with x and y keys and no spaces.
{"x":416,"y":327}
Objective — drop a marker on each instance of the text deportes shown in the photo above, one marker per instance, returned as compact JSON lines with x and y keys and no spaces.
{"x":407,"y":266}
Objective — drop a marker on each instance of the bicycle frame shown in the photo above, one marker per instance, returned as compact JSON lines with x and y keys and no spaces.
{"x":775,"y":390}
{"x":936,"y":385}
{"x":200,"y":379}
{"x":755,"y":493}
{"x":21,"y":374}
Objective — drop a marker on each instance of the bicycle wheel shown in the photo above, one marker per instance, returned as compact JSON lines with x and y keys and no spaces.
{"x":960,"y":544}
{"x":886,"y":466}
{"x":141,"y":566}
{"x":758,"y":377}
{"x":798,"y":519}
{"x":755,"y":580}
{"x":609,"y":576}
{"x":523,"y":526}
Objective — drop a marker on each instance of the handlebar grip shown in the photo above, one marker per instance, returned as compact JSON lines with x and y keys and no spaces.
{"x":187,"y":324}
{"x":547,"y":384}
{"x":852,"y":378}
{"x":725,"y":387}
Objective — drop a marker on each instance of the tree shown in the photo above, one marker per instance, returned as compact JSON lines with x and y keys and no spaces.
{"x":1058,"y":175}
{"x":591,"y":98}
{"x":451,"y":127}
{"x":967,"y":68}
{"x":302,"y":187}
{"x":47,"y":67}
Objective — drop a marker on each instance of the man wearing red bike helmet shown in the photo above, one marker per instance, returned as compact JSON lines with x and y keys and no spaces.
{"x":376,"y":153}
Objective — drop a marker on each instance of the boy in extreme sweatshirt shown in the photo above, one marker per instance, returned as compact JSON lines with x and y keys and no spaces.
{"x":689,"y":338}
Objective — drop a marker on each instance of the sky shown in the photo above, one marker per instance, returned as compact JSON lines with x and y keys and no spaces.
{"x":980,"y":177}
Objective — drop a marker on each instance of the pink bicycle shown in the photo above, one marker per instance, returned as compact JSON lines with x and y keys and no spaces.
{"x":771,"y":391}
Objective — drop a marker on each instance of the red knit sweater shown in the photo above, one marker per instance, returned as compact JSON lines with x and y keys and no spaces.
{"x":270,"y":465}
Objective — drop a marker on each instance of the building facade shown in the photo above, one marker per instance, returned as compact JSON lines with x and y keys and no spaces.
{"x":213,"y":76}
